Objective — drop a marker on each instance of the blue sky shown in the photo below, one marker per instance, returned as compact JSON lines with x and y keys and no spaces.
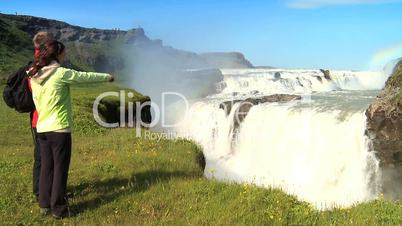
{"x":337,"y":34}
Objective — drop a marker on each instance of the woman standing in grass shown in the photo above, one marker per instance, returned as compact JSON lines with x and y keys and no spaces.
{"x":51,"y":94}
{"x":41,"y":38}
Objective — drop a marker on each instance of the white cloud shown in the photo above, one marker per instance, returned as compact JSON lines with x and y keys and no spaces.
{"x":305,"y":4}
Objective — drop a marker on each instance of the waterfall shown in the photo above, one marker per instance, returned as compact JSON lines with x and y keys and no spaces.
{"x":314,"y":148}
{"x":271,"y":81}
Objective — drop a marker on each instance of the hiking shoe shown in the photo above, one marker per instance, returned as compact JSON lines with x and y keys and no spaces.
{"x":66,"y":214}
{"x":44,"y":211}
{"x":69,"y":195}
{"x":59,"y":217}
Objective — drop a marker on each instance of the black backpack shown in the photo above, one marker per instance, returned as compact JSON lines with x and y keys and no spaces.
{"x":17,"y":94}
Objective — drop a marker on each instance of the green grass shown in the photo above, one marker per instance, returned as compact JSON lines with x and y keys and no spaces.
{"x":119,"y":179}
{"x":396,"y":81}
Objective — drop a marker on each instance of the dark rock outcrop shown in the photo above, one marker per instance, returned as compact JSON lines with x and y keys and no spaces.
{"x":246,"y":104}
{"x":200,"y":159}
{"x":277,"y":76}
{"x":249,"y":102}
{"x":327,"y":74}
{"x":318,"y":78}
{"x":384,"y":127}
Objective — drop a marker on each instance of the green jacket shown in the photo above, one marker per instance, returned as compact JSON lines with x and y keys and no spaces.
{"x":51,"y":95}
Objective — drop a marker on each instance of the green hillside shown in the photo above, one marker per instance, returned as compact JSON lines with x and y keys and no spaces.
{"x":396,"y":81}
{"x":15,"y":47}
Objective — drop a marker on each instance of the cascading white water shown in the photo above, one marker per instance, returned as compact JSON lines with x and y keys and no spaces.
{"x":297,"y":81}
{"x":314,"y":148}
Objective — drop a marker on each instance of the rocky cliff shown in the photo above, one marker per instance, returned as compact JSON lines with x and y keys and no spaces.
{"x":384,"y":127}
{"x":66,"y":32}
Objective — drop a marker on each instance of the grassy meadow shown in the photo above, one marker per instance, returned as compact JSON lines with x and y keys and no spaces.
{"x":119,"y":179}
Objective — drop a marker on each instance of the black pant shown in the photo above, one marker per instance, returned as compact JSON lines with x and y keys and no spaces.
{"x":55,"y":153}
{"x":36,"y":165}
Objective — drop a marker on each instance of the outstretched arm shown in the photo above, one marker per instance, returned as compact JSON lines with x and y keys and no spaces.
{"x":72,"y":76}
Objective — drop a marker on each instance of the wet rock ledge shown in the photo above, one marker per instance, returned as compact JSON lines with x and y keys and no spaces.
{"x":384,"y":128}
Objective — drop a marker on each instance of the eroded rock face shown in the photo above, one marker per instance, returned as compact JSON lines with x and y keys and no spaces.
{"x":67,"y":33}
{"x":384,"y":127}
{"x":327,"y":74}
{"x":247,"y":104}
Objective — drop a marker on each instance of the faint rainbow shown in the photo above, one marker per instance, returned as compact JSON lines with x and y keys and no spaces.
{"x":386,"y":55}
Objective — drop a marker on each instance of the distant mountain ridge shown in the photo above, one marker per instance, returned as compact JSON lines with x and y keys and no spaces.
{"x":99,"y":49}
{"x":65,"y":32}
{"x":226,"y":60}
